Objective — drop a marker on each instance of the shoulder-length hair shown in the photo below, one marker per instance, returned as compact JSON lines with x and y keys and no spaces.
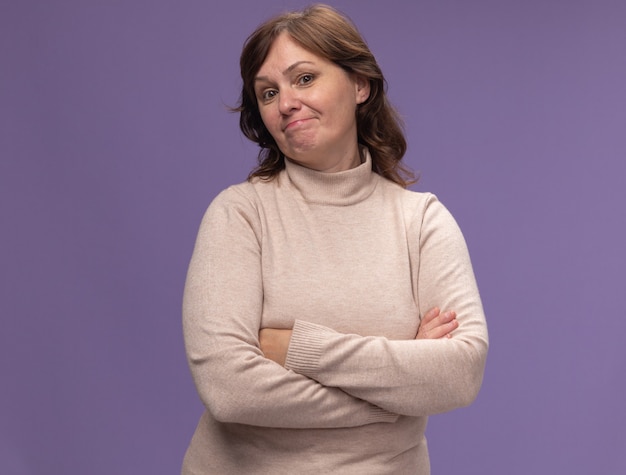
{"x":325,"y":32}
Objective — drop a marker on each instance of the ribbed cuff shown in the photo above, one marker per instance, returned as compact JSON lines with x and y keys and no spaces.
{"x":305,"y":348}
{"x":381,"y":415}
{"x":304,"y":354}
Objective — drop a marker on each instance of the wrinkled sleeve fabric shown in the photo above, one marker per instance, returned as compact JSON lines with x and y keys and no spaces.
{"x":411,"y":377}
{"x":222,"y":308}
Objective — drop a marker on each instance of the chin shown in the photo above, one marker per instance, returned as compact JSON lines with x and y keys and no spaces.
{"x":303,"y":153}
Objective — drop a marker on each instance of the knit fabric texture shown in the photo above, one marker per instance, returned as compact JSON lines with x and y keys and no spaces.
{"x":351,"y":262}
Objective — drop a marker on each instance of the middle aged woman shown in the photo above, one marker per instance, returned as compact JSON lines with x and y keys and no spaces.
{"x":311,"y":308}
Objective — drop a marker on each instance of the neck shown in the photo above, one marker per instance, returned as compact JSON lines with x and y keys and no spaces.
{"x":342,"y":188}
{"x":332,"y":164}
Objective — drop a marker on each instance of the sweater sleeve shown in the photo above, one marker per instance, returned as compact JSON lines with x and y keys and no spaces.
{"x":222,"y":308}
{"x":410,"y":377}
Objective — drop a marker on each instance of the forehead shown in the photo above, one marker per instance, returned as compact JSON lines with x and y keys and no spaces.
{"x":285,"y":52}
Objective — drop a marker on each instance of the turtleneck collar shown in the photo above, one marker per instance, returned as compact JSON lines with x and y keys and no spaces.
{"x":339,"y":189}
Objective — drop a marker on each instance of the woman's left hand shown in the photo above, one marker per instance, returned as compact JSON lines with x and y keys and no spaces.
{"x":437,"y":324}
{"x":274,"y":344}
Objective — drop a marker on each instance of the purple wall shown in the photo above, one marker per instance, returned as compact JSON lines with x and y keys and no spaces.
{"x":114,"y":137}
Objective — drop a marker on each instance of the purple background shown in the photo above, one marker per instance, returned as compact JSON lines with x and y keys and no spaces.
{"x":114,"y":137}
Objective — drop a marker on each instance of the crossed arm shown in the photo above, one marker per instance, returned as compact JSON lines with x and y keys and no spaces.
{"x":440,"y":370}
{"x":354,"y":380}
{"x":435,"y":324}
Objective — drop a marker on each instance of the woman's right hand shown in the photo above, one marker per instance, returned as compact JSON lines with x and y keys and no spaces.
{"x":437,"y":325}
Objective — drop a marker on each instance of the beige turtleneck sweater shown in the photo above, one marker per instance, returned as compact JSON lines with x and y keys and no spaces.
{"x":351,"y":261}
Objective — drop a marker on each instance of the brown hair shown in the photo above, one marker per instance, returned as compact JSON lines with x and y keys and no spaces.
{"x":326,"y":33}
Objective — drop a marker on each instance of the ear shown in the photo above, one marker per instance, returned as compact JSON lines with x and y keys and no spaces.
{"x":362,"y":85}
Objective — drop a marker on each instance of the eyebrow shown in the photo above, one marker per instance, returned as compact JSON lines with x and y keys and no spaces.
{"x":286,"y":71}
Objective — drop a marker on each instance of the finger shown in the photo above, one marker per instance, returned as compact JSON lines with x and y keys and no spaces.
{"x":437,"y":320}
{"x":446,"y":329}
{"x":448,"y":316}
{"x":438,"y":327}
{"x":425,"y":322}
{"x":443,"y":330}
{"x":430,"y":315}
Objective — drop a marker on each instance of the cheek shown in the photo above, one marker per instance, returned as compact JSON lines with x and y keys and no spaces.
{"x":345,"y":115}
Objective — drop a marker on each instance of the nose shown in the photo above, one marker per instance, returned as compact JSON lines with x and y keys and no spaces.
{"x":288,"y":101}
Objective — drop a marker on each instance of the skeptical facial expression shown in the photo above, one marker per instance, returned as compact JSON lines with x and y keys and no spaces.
{"x":308,"y":105}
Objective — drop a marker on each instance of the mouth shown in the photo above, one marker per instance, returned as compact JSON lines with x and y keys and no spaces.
{"x":295,"y":124}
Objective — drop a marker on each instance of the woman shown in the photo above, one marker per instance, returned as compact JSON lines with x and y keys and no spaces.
{"x":311,"y":309}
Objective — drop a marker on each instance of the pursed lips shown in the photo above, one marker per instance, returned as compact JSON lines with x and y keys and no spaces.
{"x":295,"y":123}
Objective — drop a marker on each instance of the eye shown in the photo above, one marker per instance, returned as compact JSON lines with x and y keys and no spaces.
{"x":305,"y":79}
{"x":268,"y":95}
